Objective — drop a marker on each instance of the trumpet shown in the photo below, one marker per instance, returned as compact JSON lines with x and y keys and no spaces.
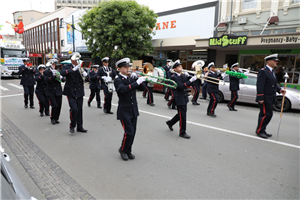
{"x":200,"y":76}
{"x":77,"y":56}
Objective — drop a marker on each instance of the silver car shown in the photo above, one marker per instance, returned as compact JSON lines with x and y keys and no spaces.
{"x":247,"y":94}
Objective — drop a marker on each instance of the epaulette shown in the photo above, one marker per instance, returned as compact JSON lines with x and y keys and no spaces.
{"x":262,"y":68}
{"x":116,"y":76}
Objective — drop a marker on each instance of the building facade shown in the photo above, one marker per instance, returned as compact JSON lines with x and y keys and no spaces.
{"x":44,"y":39}
{"x":80,"y":4}
{"x":249,"y":30}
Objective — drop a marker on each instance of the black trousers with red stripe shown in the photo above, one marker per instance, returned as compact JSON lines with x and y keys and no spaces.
{"x":55,"y":102}
{"x":150,"y":95}
{"x":145,"y":89}
{"x":92,"y":95}
{"x":28,"y":91}
{"x":213,"y":102}
{"x":264,"y":117}
{"x":129,"y":126}
{"x":234,"y":97}
{"x":43,"y":102}
{"x":196,"y":87}
{"x":167,"y":93}
{"x":172,"y":100}
{"x":76,"y":111}
{"x":181,"y":117}
{"x":107,"y":99}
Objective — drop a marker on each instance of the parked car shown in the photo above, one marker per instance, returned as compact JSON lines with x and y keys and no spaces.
{"x":247,"y":94}
{"x":11,"y":185}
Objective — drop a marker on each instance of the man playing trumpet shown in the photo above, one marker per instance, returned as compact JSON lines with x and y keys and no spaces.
{"x":74,"y":90}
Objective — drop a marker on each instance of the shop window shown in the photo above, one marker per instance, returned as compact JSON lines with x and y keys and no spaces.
{"x":242,"y":33}
{"x":247,"y":4}
{"x":278,"y":31}
{"x":255,"y":62}
{"x":255,"y":32}
{"x":266,"y":32}
{"x":58,"y":7}
{"x":290,"y":30}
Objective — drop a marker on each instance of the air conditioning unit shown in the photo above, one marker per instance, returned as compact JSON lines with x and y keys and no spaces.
{"x":242,"y":20}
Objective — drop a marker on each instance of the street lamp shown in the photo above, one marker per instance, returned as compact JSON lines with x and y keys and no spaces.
{"x":73,"y":28}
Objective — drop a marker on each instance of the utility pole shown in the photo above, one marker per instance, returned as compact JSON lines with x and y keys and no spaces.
{"x":73,"y":30}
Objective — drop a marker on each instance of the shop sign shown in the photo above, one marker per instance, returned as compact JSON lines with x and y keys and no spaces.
{"x":228,"y":40}
{"x":273,"y":51}
{"x":35,"y":55}
{"x":165,"y":25}
{"x":288,"y":39}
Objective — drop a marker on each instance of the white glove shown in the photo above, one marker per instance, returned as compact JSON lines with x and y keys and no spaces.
{"x":193,"y":79}
{"x":186,"y":74}
{"x":104,"y":77}
{"x":53,"y":71}
{"x":61,"y":77}
{"x":133,"y":75}
{"x":76,"y":68}
{"x":84,"y":74}
{"x":141,"y":79}
{"x":218,"y":72}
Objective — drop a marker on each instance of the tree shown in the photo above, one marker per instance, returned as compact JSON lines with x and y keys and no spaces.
{"x":118,"y":29}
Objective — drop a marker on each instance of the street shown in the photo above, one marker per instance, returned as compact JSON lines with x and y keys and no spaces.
{"x":224,"y":159}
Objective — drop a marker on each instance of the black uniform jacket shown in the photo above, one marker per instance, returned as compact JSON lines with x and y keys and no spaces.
{"x":127,"y":105}
{"x":41,"y":84}
{"x":94,"y":80}
{"x":168,"y":71}
{"x":27,"y":76}
{"x":53,"y":87}
{"x":103,"y":72}
{"x":213,"y":87}
{"x":74,"y":84}
{"x":180,"y":93}
{"x":234,"y":83}
{"x":266,"y":86}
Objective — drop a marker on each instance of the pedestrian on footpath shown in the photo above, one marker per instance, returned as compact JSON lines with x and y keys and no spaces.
{"x":126,"y":86}
{"x":266,"y":88}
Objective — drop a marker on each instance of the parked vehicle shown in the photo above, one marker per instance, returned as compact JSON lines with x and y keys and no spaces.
{"x":247,"y":94}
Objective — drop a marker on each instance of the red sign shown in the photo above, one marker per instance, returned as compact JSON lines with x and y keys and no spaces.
{"x":35,"y":55}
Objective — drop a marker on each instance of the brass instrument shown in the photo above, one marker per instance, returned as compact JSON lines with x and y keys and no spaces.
{"x":77,"y":56}
{"x":156,"y":76}
{"x":50,"y":64}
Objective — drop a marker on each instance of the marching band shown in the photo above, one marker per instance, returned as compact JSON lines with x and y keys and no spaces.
{"x":49,"y":91}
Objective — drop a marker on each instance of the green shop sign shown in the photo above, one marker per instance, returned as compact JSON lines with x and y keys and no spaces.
{"x":228,"y":40}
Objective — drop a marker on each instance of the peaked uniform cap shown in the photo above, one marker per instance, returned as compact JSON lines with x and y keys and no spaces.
{"x":234,"y":65}
{"x":176,"y":64}
{"x":210,"y":65}
{"x":123,"y":62}
{"x":272,"y":57}
{"x":105,"y":59}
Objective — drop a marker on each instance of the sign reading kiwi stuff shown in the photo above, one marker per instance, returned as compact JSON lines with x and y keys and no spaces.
{"x":228,"y":40}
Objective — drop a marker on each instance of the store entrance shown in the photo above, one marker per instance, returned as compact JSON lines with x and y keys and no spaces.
{"x":231,"y":59}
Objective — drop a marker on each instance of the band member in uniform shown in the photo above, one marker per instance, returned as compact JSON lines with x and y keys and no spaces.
{"x":53,"y":89}
{"x":40,"y":91}
{"x":28,"y":82}
{"x":181,"y":98}
{"x":103,"y":73}
{"x":167,"y":69}
{"x":196,"y":85}
{"x":212,"y":89}
{"x":94,"y":86}
{"x":144,"y":85}
{"x":234,"y":87}
{"x":74,"y":90}
{"x":266,"y":88}
{"x":127,"y":111}
{"x":204,"y":86}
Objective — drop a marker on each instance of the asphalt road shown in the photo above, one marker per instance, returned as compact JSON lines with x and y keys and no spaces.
{"x":224,"y":159}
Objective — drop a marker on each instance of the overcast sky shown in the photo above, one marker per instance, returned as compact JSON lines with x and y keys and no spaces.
{"x":7,"y":7}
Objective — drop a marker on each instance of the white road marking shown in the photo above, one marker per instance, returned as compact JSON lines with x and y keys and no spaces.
{"x":14,"y":85}
{"x":3,"y":88}
{"x":13,"y":95}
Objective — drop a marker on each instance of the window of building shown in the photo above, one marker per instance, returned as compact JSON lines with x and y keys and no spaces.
{"x":90,"y":2}
{"x":278,"y":31}
{"x":247,"y":4}
{"x":62,"y":43}
{"x":74,"y":1}
{"x":241,"y":33}
{"x":290,"y":30}
{"x":295,"y":1}
{"x":58,"y":7}
{"x":94,"y":2}
{"x":84,"y":1}
{"x":58,"y":1}
{"x":69,"y":1}
{"x":63,"y":1}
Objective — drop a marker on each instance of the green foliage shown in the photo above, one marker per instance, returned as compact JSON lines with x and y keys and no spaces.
{"x":124,"y":24}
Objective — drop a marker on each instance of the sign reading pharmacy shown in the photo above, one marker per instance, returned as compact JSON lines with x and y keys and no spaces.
{"x":228,"y":40}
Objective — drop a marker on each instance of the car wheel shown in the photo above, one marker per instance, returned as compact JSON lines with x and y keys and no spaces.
{"x":278,"y":104}
{"x":220,"y":96}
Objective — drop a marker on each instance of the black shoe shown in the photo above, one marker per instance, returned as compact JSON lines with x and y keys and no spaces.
{"x":230,"y":108}
{"x":56,"y":121}
{"x":167,"y":99}
{"x":151,"y":104}
{"x":41,"y":114}
{"x":47,"y":114}
{"x":131,"y":156}
{"x":32,"y":107}
{"x":169,"y":107}
{"x":108,"y":112}
{"x":99,"y":107}
{"x":195,"y":103}
{"x":233,"y":109}
{"x":81,"y":130}
{"x":72,"y":129}
{"x":144,"y":97}
{"x":212,"y":115}
{"x":53,"y":121}
{"x":89,"y":104}
{"x":25,"y":106}
{"x":104,"y":110}
{"x":262,"y":135}
{"x":202,"y":98}
{"x":185,"y":135}
{"x":123,"y":155}
{"x":169,"y":125}
{"x":269,"y":135}
{"x":175,"y":108}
